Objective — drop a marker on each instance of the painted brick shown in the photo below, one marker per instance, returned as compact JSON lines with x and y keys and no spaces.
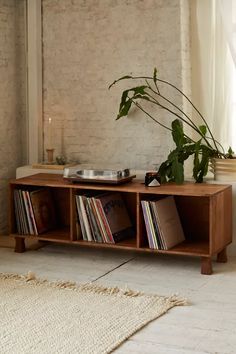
{"x":88,"y":44}
{"x":12,"y":97}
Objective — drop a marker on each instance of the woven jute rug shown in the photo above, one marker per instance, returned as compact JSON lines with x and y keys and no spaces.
{"x":37,"y":316}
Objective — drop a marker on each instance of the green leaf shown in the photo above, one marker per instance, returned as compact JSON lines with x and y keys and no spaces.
{"x":124,"y":98}
{"x":203,"y":129}
{"x":164,"y":171}
{"x":126,"y":101}
{"x":172,"y":155}
{"x":143,"y":97}
{"x":188,"y":150}
{"x":200,"y":169}
{"x":187,"y":140}
{"x":155,"y":75}
{"x":205,"y":160}
{"x":230,"y":153}
{"x":178,"y":133}
{"x":172,"y":170}
{"x":196,"y":162}
{"x":178,"y":171}
{"x":139,"y":90}
{"x":124,"y":110}
{"x":125,"y":77}
{"x":121,"y":78}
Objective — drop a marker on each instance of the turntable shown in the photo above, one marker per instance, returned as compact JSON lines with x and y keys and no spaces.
{"x":77,"y":174}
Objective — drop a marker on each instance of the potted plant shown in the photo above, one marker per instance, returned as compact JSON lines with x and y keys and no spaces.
{"x":203,"y":149}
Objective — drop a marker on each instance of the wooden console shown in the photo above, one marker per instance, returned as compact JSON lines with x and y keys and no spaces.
{"x":205,"y":211}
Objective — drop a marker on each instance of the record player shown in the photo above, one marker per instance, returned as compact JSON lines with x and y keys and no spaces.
{"x":78,"y":174}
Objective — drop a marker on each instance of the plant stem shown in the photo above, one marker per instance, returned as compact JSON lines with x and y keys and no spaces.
{"x":204,"y":120}
{"x":178,"y":116}
{"x":149,"y":115}
{"x":155,"y":120}
{"x":192,"y":125}
{"x":176,"y":88}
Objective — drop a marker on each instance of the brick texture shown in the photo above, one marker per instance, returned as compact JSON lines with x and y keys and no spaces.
{"x":88,"y":44}
{"x":12,"y":97}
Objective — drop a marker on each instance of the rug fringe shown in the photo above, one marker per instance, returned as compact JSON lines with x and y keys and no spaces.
{"x":178,"y":301}
{"x":30,"y":277}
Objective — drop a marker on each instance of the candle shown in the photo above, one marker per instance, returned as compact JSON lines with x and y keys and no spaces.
{"x":50,"y":133}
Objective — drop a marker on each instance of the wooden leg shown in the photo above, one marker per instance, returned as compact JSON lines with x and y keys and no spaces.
{"x":206,"y":266}
{"x":19,"y":244}
{"x":222,"y":256}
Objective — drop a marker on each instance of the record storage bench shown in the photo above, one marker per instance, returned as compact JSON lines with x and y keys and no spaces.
{"x":205,"y":211}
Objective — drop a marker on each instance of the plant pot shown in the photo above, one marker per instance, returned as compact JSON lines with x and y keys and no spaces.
{"x":224,"y":169}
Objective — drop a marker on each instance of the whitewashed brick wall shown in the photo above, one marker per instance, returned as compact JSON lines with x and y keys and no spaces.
{"x":88,"y":44}
{"x":12,"y":97}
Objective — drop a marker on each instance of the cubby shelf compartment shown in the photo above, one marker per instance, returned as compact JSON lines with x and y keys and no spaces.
{"x":205,"y":211}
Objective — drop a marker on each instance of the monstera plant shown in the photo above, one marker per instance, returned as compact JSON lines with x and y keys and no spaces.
{"x":203,"y":148}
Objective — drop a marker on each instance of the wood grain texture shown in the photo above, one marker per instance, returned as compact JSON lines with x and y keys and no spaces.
{"x":220,"y":220}
{"x":205,"y":211}
{"x":206,"y":266}
{"x":222,"y":256}
{"x":191,"y":189}
{"x":19,"y":245}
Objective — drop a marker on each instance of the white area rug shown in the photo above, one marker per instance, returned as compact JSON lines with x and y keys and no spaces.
{"x":37,"y":316}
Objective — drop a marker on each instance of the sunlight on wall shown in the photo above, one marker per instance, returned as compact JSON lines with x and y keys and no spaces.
{"x":233,"y":116}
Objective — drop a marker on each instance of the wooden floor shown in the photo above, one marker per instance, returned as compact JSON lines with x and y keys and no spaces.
{"x":206,"y":325}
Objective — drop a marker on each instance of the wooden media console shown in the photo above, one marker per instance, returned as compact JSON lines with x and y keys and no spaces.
{"x":205,"y":211}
